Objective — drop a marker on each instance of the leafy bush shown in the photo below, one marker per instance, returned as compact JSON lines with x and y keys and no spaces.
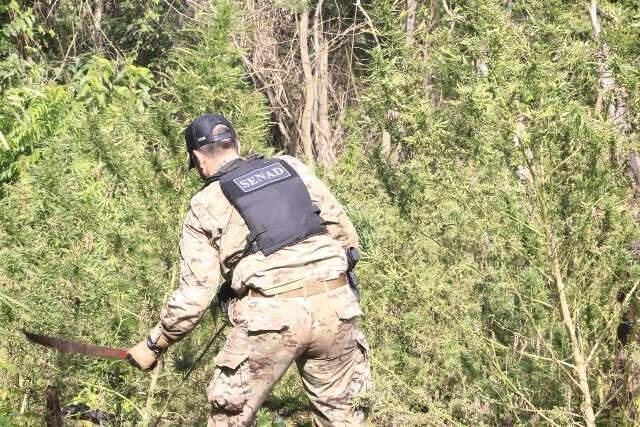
{"x":489,"y":192}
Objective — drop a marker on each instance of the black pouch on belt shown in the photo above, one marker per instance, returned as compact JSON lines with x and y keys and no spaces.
{"x":224,"y":296}
{"x":353,"y":256}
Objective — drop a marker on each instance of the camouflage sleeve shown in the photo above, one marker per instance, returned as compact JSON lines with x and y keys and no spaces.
{"x":339,"y":225}
{"x":200,"y":278}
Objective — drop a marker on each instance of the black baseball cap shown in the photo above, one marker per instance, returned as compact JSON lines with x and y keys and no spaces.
{"x":199,"y":133}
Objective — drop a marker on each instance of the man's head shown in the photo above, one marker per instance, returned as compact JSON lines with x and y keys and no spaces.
{"x":210,"y":140}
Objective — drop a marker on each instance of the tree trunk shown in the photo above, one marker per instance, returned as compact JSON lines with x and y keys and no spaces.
{"x":148,"y":407}
{"x":580,"y":367}
{"x":412,"y":5}
{"x":322,"y":127}
{"x":428,"y":78}
{"x":576,"y":348}
{"x":53,"y":417}
{"x":592,"y":8}
{"x":509,"y":5}
{"x":21,"y":40}
{"x":611,"y":96}
{"x":309,"y":88}
{"x":96,"y":33}
{"x":612,"y":101}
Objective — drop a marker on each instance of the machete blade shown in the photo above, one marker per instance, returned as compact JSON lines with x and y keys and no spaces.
{"x":67,"y":346}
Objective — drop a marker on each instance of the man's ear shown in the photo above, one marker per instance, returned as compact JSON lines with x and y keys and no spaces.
{"x":198,"y":157}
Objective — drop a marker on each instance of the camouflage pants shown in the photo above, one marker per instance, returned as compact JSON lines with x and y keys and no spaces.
{"x":317,"y":332}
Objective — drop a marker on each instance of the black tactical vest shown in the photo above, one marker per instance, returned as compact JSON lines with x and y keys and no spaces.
{"x":273,"y":201}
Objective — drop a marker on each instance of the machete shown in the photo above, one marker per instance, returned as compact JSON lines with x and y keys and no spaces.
{"x":67,"y":346}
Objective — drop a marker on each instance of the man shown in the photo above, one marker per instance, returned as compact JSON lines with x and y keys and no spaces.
{"x":274,"y":231}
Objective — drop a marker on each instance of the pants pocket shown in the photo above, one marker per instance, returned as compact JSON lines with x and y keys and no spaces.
{"x":228,"y":391}
{"x":362,"y":370}
{"x":347,"y":306}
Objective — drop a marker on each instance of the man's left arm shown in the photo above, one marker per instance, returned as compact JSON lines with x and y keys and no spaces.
{"x":200,"y":280}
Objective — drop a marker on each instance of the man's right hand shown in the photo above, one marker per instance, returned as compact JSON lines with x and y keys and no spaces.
{"x":142,"y":357}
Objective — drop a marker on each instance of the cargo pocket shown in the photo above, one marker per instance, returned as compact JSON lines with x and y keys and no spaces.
{"x":342,"y":311}
{"x":266,"y":315}
{"x":229,"y":389}
{"x":362,"y":371}
{"x":362,"y":343}
{"x":348,"y":307}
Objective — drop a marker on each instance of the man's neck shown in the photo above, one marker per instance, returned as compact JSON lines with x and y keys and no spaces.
{"x":223,"y":161}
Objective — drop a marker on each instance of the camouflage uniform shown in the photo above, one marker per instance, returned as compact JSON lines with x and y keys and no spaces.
{"x":318,"y":332}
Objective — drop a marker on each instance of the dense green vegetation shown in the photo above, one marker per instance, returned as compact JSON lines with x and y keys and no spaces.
{"x":485,"y":150}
